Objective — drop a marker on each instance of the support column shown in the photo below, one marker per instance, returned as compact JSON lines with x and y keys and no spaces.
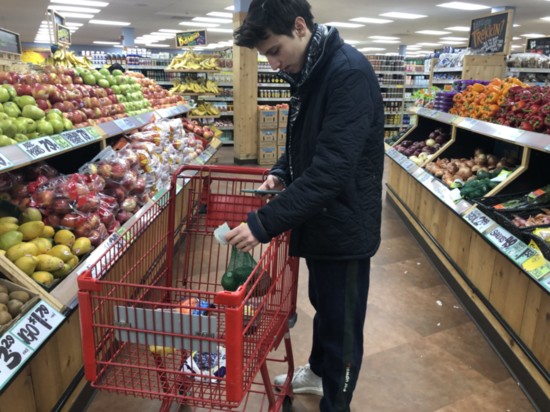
{"x":245,"y":95}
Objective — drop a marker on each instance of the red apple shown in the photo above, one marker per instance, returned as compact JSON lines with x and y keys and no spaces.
{"x":43,"y":104}
{"x":6,"y":78}
{"x":53,"y":78}
{"x":23,"y":89}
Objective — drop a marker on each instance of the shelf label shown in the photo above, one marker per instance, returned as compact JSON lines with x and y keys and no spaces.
{"x":125,"y":123}
{"x":462,"y":206}
{"x":409,"y":165}
{"x":26,"y":336}
{"x":13,"y":355}
{"x":537,"y":266}
{"x":479,"y":220}
{"x":502,"y":238}
{"x":41,"y":147}
{"x":78,"y":137}
{"x":469,"y":122}
{"x":4,"y":162}
{"x":455,"y":120}
{"x":60,"y":141}
{"x":525,"y":255}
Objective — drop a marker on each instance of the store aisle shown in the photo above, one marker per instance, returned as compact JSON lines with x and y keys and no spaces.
{"x":422,"y":351}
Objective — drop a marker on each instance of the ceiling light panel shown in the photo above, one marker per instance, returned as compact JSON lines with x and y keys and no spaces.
{"x":218,"y":30}
{"x":532,"y":35}
{"x":344,"y":24}
{"x":169,"y":31}
{"x":73,"y":9}
{"x":78,"y":15}
{"x":433,"y":32}
{"x":220,"y":14}
{"x":387,"y":41}
{"x":399,"y":15}
{"x":370,"y":20}
{"x":232,"y":8}
{"x":197,"y":24}
{"x":458,"y":28}
{"x":463,"y":6}
{"x":455,"y":38}
{"x":110,"y":22}
{"x":212,"y":20}
{"x":384,"y":37}
{"x":429,"y":44}
{"x":106,"y":42}
{"x":84,"y":3}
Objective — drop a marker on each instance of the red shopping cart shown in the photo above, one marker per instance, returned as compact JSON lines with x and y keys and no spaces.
{"x":156,"y":322}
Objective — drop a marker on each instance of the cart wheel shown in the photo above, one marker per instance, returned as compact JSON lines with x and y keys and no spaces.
{"x":287,"y":404}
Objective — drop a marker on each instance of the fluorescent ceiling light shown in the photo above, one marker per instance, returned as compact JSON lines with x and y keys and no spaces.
{"x":212,"y":20}
{"x":455,"y":38}
{"x":220,"y":14}
{"x":81,"y":3}
{"x":344,"y":24}
{"x":78,"y":15}
{"x":433,"y":32}
{"x":169,"y":31}
{"x":106,"y":42}
{"x":429,"y":44}
{"x":110,"y":22}
{"x":371,"y":20}
{"x":384,"y":37}
{"x":458,"y":28}
{"x":516,"y":25}
{"x":232,"y":8}
{"x":198,"y":48}
{"x":74,"y":9}
{"x":118,"y":46}
{"x":515,"y":46}
{"x":545,"y":18}
{"x":413,"y":47}
{"x":453,"y":43}
{"x":463,"y":6}
{"x":197,"y":24}
{"x":387,"y":41}
{"x":532,"y":35}
{"x":215,"y":30}
{"x":71,"y":24}
{"x":518,"y":38}
{"x":398,"y":15}
{"x":158,"y":45}
{"x":369,"y":49}
{"x":139,"y":41}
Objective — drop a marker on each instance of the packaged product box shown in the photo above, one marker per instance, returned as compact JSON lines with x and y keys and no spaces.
{"x":280,"y":150}
{"x":267,"y":118}
{"x":24,"y":308}
{"x":282,"y":117}
{"x":267,"y":137}
{"x":281,"y":136}
{"x":267,"y":155}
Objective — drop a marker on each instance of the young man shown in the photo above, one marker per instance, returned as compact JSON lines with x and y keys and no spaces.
{"x":332,"y":176}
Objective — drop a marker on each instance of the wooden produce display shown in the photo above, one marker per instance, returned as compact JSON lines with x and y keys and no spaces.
{"x":499,"y":277}
{"x":44,"y":371}
{"x":474,"y":67}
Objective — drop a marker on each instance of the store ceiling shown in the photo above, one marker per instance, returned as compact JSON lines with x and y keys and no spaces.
{"x":24,"y":17}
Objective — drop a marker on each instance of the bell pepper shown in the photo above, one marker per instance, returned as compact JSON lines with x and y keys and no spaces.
{"x":525,"y":125}
{"x":547,"y":120}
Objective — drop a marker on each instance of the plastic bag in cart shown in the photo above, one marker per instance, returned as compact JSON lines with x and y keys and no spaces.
{"x":241,"y":265}
{"x":207,"y":364}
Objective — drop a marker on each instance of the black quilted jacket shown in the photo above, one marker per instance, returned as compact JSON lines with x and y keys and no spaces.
{"x":333,"y":163}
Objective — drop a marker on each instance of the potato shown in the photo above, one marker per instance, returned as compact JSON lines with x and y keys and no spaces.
{"x":3,"y":307}
{"x":3,"y":289}
{"x":5,"y":318}
{"x":20,"y":295}
{"x":4,"y":298}
{"x":14,"y":307}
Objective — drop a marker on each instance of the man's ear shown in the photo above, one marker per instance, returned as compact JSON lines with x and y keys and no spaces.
{"x":300,"y":26}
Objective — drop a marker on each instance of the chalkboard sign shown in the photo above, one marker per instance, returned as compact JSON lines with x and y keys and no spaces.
{"x":9,"y":42}
{"x":541,"y":46}
{"x":491,"y":33}
{"x":62,"y":35}
{"x":191,"y":38}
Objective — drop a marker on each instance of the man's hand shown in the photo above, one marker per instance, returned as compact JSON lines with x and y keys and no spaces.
{"x":271,"y":183}
{"x":242,"y":238}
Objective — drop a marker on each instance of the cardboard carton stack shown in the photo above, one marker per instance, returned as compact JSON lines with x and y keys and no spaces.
{"x":271,"y":133}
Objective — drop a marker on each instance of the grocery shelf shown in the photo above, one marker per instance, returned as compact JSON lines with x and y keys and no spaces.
{"x":191,"y":71}
{"x":225,"y":127}
{"x":416,"y":86}
{"x":275,"y":85}
{"x":444,"y":81}
{"x":225,"y":84}
{"x":527,"y":70}
{"x":389,"y":72}
{"x":226,"y":114}
{"x":390,"y":86}
{"x":449,"y":70}
{"x":146,"y":67}
{"x":216,"y":99}
{"x":274,"y":99}
{"x":417,"y":73}
{"x":165,"y":82}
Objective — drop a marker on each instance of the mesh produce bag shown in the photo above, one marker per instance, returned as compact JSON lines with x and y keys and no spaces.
{"x":241,"y":265}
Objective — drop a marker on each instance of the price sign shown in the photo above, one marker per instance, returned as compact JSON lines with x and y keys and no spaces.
{"x":455,"y":120}
{"x":391,"y":152}
{"x":27,"y":335}
{"x":36,"y":325}
{"x":60,"y":141}
{"x":13,"y":355}
{"x":409,"y":165}
{"x":525,"y":255}
{"x":4,"y":162}
{"x":125,"y":123}
{"x":502,"y":238}
{"x":462,"y":206}
{"x":540,"y":271}
{"x":78,"y":137}
{"x":469,"y":123}
{"x":41,"y":147}
{"x":478,"y":220}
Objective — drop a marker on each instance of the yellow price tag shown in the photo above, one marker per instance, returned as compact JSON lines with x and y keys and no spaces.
{"x":533,"y":263}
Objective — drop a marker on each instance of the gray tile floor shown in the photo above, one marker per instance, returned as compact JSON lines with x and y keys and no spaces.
{"x":422,"y":351}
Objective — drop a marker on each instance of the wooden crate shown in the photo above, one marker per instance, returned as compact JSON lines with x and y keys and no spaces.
{"x":483,"y":67}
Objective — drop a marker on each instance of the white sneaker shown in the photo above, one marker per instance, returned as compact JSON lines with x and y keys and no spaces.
{"x":303,"y":381}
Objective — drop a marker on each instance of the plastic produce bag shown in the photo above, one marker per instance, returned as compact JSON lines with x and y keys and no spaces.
{"x":241,"y":265}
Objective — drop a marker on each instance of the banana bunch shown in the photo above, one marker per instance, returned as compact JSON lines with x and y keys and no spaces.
{"x":190,"y":86}
{"x":62,"y":57}
{"x":191,"y":61}
{"x":205,"y":109}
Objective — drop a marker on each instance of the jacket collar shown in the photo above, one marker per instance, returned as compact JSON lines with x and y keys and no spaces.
{"x":323,"y":40}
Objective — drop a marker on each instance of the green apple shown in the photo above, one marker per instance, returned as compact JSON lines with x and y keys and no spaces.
{"x":89,"y":79}
{"x":23,"y":101}
{"x":57,"y":125}
{"x":67,"y":124}
{"x":12,"y":110}
{"x":5,"y":140}
{"x":56,"y":111}
{"x":11,"y":90}
{"x":111,"y":79}
{"x":1,"y":105}
{"x":20,"y":125}
{"x":53,"y":115}
{"x":33,"y":112}
{"x":105,"y":72}
{"x":116,"y":89}
{"x":4,"y":95}
{"x":44,"y":128}
{"x":117,"y":73}
{"x":8,"y":127}
{"x":103,"y":82}
{"x":20,"y":137}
